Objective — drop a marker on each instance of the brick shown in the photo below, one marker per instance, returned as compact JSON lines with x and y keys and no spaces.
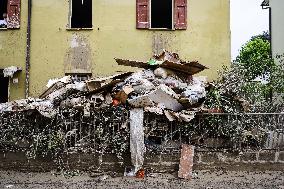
{"x":281,"y":156}
{"x":229,"y":157}
{"x":248,"y":156}
{"x":109,"y":157}
{"x":197,"y":158}
{"x":152,"y":158}
{"x":170,"y":157}
{"x":15,"y":156}
{"x":209,"y":157}
{"x":267,"y":155}
{"x":186,"y":162}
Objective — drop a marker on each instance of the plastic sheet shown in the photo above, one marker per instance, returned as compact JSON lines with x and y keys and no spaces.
{"x":137,"y":146}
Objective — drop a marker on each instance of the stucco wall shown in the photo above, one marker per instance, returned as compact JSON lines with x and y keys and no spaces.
{"x":277,"y":30}
{"x":55,"y":50}
{"x":13,"y":52}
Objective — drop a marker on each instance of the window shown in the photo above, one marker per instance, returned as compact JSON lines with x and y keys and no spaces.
{"x":3,"y":13}
{"x":10,"y":13}
{"x":161,"y":14}
{"x":4,"y":84}
{"x":81,"y":14}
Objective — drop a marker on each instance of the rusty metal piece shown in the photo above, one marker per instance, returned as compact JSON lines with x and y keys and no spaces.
{"x":189,"y":68}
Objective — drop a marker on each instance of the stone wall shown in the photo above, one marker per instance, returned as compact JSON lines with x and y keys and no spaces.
{"x":154,"y":162}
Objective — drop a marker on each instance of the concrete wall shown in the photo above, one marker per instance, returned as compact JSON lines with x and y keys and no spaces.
{"x":55,"y":50}
{"x":168,"y":161}
{"x":277,"y":30}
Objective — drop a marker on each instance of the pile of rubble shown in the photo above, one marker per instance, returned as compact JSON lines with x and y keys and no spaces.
{"x":165,"y":86}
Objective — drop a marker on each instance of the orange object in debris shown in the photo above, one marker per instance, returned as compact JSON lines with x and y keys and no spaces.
{"x":115,"y":102}
{"x":140,"y":174}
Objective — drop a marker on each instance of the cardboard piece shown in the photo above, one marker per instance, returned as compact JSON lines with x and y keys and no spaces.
{"x":190,"y":68}
{"x":133,"y":63}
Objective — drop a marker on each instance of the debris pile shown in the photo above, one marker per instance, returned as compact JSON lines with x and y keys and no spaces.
{"x":165,"y":86}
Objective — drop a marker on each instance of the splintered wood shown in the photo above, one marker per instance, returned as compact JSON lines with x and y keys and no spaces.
{"x":186,"y":162}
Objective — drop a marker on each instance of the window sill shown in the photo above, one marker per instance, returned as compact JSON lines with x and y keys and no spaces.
{"x":77,"y":29}
{"x":3,"y":28}
{"x":164,"y":29}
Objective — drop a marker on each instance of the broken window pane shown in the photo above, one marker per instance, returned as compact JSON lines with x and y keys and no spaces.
{"x":81,"y":14}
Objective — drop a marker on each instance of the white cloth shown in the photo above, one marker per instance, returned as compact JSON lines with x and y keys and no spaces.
{"x":3,"y":22}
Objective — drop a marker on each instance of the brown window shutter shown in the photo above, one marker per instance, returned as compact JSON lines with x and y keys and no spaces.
{"x":142,"y":14}
{"x":13,"y":13}
{"x":180,"y":14}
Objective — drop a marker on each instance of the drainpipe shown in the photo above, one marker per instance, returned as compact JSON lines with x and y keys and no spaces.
{"x":28,"y":57}
{"x":270,"y":33}
{"x":270,"y":27}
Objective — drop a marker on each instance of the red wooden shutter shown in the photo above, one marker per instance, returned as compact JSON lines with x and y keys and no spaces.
{"x":142,"y":14}
{"x":13,"y":13}
{"x":180,"y":14}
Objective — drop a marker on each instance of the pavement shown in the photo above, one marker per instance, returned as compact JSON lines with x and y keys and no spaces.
{"x":204,"y":179}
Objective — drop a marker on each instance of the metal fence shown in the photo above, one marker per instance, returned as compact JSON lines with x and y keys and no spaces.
{"x":107,"y":130}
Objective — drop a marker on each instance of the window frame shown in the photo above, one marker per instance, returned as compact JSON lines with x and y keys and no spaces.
{"x":69,"y":25}
{"x":13,"y":21}
{"x":150,"y":17}
{"x":179,"y":15}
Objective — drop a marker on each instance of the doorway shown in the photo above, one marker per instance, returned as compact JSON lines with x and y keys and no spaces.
{"x":4,"y":86}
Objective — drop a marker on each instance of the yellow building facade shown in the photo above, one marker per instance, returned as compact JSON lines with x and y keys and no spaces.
{"x":57,"y":49}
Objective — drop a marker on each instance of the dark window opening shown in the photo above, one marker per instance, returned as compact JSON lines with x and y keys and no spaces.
{"x":161,"y":14}
{"x":4,"y":84}
{"x":3,"y":13}
{"x":81,"y":14}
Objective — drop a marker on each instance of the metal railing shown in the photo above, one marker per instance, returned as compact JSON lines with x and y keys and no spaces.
{"x":107,"y":130}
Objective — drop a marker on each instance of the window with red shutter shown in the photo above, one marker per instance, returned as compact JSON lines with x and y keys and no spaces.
{"x":180,"y":14}
{"x":142,"y":14}
{"x":13,"y":13}
{"x":161,"y":14}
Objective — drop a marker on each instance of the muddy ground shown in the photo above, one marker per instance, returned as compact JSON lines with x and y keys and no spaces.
{"x":202,"y":179}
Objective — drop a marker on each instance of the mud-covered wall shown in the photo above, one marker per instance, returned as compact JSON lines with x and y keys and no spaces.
{"x":55,"y":50}
{"x":13,"y":52}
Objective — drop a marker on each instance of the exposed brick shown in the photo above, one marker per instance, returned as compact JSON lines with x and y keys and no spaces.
{"x":266,"y":155}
